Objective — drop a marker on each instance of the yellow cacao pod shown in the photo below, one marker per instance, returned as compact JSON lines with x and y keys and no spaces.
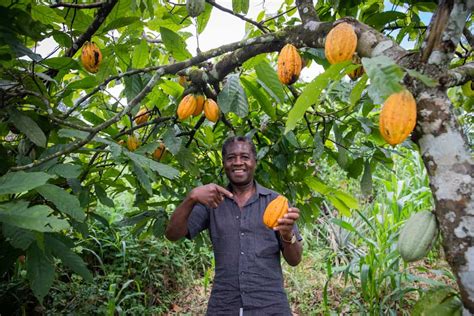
{"x":142,"y":116}
{"x":186,"y":107}
{"x":341,"y":43}
{"x":211,"y":110}
{"x":398,"y":117}
{"x":132,"y":142}
{"x":275,"y":210}
{"x":358,"y":72}
{"x":91,"y":57}
{"x":199,"y":104}
{"x":289,"y":64}
{"x":159,"y":152}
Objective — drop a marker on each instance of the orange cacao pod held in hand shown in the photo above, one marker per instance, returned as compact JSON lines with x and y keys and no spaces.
{"x":341,"y":43}
{"x":398,"y":117}
{"x":91,"y":57}
{"x":186,"y":107}
{"x":211,"y":110}
{"x":275,"y":210}
{"x":289,"y":64}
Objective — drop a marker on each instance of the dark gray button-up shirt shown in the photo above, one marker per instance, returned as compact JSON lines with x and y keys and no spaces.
{"x":247,"y":257}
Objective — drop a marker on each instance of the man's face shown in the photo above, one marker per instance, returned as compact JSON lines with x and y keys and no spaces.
{"x":239,"y":163}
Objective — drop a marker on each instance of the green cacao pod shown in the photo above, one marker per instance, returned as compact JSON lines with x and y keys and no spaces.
{"x":417,"y":236}
{"x":195,"y":7}
{"x":275,"y":210}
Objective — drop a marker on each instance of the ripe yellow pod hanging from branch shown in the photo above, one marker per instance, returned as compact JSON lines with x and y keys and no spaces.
{"x":289,"y":64}
{"x":341,"y":43}
{"x":200,"y":99}
{"x":186,"y":107}
{"x":275,"y":210}
{"x":132,"y":142}
{"x":159,"y":152}
{"x":142,"y":116}
{"x":91,"y":57}
{"x":398,"y":117}
{"x":211,"y":110}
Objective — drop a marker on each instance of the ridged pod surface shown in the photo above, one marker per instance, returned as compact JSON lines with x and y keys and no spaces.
{"x":398,"y":117}
{"x":275,"y":210}
{"x":341,"y":43}
{"x":289,"y":64}
{"x":142,"y":116}
{"x":211,"y":110}
{"x":417,"y":236}
{"x":132,"y":142}
{"x":186,"y":107}
{"x":159,"y":152}
{"x":91,"y":57}
{"x":199,"y":104}
{"x":195,"y":7}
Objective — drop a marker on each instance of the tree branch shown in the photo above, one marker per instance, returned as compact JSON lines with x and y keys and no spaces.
{"x":77,"y":5}
{"x":469,"y":36}
{"x":458,"y":76}
{"x":307,"y":11}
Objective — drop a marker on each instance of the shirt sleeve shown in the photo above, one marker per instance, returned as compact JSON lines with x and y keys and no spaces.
{"x":198,"y":220}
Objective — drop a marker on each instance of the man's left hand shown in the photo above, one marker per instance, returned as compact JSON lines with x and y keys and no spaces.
{"x":285,"y":224}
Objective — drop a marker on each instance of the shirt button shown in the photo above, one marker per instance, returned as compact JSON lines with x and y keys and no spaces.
{"x":242,"y":234}
{"x":241,"y":252}
{"x":237,"y":217}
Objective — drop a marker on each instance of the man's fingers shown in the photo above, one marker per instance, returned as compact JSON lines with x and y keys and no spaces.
{"x":224,"y":191}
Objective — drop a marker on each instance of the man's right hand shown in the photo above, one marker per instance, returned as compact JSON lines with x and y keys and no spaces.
{"x":210,"y":195}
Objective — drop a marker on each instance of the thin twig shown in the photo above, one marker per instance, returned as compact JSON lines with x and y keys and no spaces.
{"x":77,"y":5}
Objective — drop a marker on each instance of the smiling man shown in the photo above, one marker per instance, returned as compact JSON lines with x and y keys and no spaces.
{"x":248,"y":277}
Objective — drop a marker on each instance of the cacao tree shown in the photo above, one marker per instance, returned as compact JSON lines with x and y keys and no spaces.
{"x":69,"y":142}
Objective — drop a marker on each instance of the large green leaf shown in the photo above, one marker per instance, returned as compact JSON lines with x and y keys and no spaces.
{"x":142,"y":178}
{"x":240,"y":6}
{"x":232,"y":98}
{"x":18,"y":237}
{"x":102,"y":195}
{"x":366,"y":180}
{"x":65,"y":202}
{"x":162,"y":169}
{"x":28,"y":127}
{"x":251,"y":86}
{"x":268,"y":79}
{"x":311,"y":93}
{"x":203,"y":18}
{"x":62,"y":63}
{"x":86,"y":83}
{"x":316,"y":185}
{"x":140,"y":55}
{"x":37,"y":217}
{"x":68,"y":257}
{"x":66,"y":170}
{"x":175,"y":44}
{"x":385,"y":76}
{"x":20,"y":181}
{"x":40,"y":271}
{"x":120,"y":22}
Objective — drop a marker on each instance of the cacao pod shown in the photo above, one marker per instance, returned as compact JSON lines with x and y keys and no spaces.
{"x":398,"y":117}
{"x":132,"y":142}
{"x":341,"y":43}
{"x":186,"y":107}
{"x":195,"y":7}
{"x":199,"y":104}
{"x":417,"y":236}
{"x":275,"y":210}
{"x":289,"y":64}
{"x":468,"y":89}
{"x":159,"y":152}
{"x":211,"y":110}
{"x":142,"y":116}
{"x":358,"y":72}
{"x":91,"y":57}
{"x":438,"y":301}
{"x":183,"y":81}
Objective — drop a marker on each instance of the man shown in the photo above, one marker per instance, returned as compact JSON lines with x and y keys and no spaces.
{"x":248,"y":277}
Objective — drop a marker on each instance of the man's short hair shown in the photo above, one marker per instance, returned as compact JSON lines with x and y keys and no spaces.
{"x":235,"y":139}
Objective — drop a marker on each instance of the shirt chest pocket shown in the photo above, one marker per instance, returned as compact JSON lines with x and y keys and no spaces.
{"x":266,"y":244}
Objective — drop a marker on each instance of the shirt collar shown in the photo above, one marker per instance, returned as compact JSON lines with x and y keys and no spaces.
{"x":259,"y":189}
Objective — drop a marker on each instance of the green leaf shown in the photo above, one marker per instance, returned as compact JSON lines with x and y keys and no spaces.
{"x":240,"y":6}
{"x":162,"y":169}
{"x":347,"y":226}
{"x":65,"y":202}
{"x":175,"y":44}
{"x":133,"y":86}
{"x":385,"y":76}
{"x":120,"y":22}
{"x":366,"y":180}
{"x":142,"y":178}
{"x":39,"y":271}
{"x":379,"y":19}
{"x":140,"y":55}
{"x":311,"y":93}
{"x":318,"y":146}
{"x":172,"y":88}
{"x":172,"y":143}
{"x":316,"y":185}
{"x":45,"y":14}
{"x":68,"y":257}
{"x":86,"y":83}
{"x":341,"y":206}
{"x":423,"y":78}
{"x":36,"y":218}
{"x":18,"y":237}
{"x":357,"y":90}
{"x":102,"y":196}
{"x":28,"y":127}
{"x":268,"y":79}
{"x":63,"y":63}
{"x":262,"y":99}
{"x":347,"y":199}
{"x":438,"y":301}
{"x":20,"y":181}
{"x":232,"y":98}
{"x":203,"y":18}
